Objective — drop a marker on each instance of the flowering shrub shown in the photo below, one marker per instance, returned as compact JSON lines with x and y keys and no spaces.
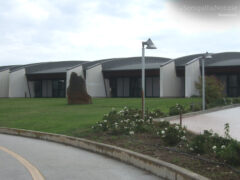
{"x":223,"y":148}
{"x":230,"y":153}
{"x":126,"y":121}
{"x":171,"y":134}
{"x":177,"y":109}
{"x":208,"y":142}
{"x":156,"y":113}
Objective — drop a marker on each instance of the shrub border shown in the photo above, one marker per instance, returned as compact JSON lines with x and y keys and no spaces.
{"x":155,"y":166}
{"x":190,"y":114}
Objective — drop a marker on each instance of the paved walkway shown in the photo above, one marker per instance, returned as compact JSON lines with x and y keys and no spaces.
{"x":21,"y":157}
{"x":215,"y":121}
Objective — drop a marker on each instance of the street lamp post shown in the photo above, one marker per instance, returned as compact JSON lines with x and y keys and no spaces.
{"x":204,"y":57}
{"x":149,"y":45}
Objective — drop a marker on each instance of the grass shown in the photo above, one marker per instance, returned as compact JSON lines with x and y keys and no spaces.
{"x":56,"y":116}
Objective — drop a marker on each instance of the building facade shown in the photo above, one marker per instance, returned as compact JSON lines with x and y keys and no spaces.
{"x":121,"y":77}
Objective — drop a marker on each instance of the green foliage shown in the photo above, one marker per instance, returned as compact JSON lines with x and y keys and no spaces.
{"x":171,"y":134}
{"x":213,"y":89}
{"x":195,"y":107}
{"x":177,"y":109}
{"x":125,"y":121}
{"x":230,"y":153}
{"x":223,"y":148}
{"x":236,"y":100}
{"x":197,"y":145}
{"x":156,"y":113}
{"x":53,"y":114}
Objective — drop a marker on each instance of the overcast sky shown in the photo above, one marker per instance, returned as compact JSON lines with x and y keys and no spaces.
{"x":55,"y":30}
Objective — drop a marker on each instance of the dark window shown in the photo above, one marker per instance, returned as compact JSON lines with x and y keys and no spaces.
{"x":135,"y":87}
{"x":38,"y":88}
{"x":58,"y":88}
{"x":113,"y":86}
{"x":233,"y":85}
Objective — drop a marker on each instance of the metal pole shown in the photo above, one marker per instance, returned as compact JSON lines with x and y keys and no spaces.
{"x":203,"y":84}
{"x":143,"y":81}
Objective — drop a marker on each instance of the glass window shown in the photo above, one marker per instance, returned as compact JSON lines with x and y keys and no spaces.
{"x":38,"y":88}
{"x":58,"y":88}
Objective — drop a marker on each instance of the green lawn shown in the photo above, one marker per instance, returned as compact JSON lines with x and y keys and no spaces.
{"x":54,"y":115}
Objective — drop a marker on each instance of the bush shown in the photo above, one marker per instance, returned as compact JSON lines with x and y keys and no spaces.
{"x":155,"y":113}
{"x":236,"y":100}
{"x":176,"y":110}
{"x":171,"y":134}
{"x":195,"y":107}
{"x":198,"y":144}
{"x":125,"y":121}
{"x":213,"y":89}
{"x":230,"y":153}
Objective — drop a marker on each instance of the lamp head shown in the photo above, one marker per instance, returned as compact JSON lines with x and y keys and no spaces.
{"x":149,"y":44}
{"x":207,"y":56}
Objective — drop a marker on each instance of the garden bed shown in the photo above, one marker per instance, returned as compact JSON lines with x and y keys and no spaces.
{"x":207,"y":154}
{"x":153,"y":146}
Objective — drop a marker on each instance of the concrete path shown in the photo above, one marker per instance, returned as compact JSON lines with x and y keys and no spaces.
{"x":19,"y":156}
{"x":215,"y":121}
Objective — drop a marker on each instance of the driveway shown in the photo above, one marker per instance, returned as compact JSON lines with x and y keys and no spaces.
{"x":215,"y":121}
{"x":26,"y":159}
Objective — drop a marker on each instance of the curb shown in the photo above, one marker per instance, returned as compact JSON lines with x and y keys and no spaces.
{"x":157,"y":167}
{"x":171,"y":118}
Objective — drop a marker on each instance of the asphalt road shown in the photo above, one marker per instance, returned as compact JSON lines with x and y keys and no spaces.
{"x":215,"y":121}
{"x":26,"y":159}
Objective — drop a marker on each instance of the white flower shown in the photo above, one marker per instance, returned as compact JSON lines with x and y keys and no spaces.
{"x":166,"y":129}
{"x":131,"y":132}
{"x":136,"y":115}
{"x":177,"y":127}
{"x":163,"y":132}
{"x":100,"y":125}
{"x":183,"y":138}
{"x":191,"y":149}
{"x":125,"y":127}
{"x":121,"y":121}
{"x":105,"y":121}
{"x":214,"y":148}
{"x":223,"y":147}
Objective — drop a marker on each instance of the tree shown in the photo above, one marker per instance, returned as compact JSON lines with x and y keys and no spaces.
{"x":213,"y":88}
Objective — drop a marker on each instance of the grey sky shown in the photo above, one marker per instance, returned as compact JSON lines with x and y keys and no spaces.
{"x":55,"y":30}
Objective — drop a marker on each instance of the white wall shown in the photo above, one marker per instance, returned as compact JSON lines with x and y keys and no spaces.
{"x":78,"y":70}
{"x":18,"y":84}
{"x":4,"y":83}
{"x":95,"y":82}
{"x":192,"y":74}
{"x":170,"y":84}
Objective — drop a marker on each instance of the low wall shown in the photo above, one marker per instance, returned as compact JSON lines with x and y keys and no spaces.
{"x":157,"y":167}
